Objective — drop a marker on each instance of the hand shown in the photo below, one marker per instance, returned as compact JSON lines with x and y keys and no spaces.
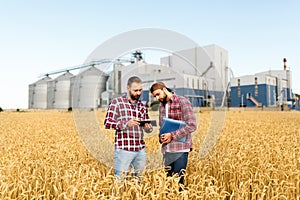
{"x":148,"y":128}
{"x":133,"y":122}
{"x":165,"y":138}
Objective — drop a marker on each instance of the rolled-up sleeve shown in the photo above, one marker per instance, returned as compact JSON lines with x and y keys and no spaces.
{"x":112,"y":119}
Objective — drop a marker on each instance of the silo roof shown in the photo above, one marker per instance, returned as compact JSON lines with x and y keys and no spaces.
{"x":92,"y":71}
{"x":43,"y":80}
{"x":64,"y":76}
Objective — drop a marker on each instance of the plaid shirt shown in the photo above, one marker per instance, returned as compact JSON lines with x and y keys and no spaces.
{"x":180,"y":108}
{"x":119,"y":112}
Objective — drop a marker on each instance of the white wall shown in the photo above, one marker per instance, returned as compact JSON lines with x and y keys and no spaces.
{"x":197,"y":62}
{"x":250,"y":80}
{"x":150,"y":73}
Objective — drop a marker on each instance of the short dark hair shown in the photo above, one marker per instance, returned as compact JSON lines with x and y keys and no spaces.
{"x":133,"y":79}
{"x":159,"y":85}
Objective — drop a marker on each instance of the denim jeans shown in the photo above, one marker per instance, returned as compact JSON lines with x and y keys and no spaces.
{"x":124,"y":159}
{"x":176,"y":164}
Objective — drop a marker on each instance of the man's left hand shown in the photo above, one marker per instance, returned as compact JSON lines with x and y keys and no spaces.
{"x":166,"y":138}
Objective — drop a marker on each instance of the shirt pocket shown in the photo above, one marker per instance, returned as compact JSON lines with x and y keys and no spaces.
{"x":175,"y":112}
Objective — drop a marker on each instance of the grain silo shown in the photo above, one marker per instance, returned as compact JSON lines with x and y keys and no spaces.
{"x":59,"y":95}
{"x":38,"y":94}
{"x":86,"y":88}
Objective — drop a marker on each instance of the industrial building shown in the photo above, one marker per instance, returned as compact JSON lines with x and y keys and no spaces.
{"x":268,"y":89}
{"x":205,"y":72}
{"x":200,"y":74}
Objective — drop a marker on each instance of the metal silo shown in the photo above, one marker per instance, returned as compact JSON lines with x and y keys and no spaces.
{"x":38,"y":94}
{"x":86,"y":88}
{"x":59,"y":96}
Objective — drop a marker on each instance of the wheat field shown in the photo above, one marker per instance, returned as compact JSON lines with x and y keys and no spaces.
{"x":257,"y":156}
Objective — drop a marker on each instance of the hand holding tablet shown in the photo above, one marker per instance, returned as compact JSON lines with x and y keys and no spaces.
{"x":147,"y":121}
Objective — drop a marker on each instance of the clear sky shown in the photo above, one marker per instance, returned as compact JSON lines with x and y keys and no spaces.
{"x":41,"y":36}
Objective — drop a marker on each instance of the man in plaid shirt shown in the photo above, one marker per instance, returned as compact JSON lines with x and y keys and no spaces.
{"x":123,"y":115}
{"x":175,"y":153}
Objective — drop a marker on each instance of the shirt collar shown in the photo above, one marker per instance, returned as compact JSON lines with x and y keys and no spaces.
{"x":173,"y":97}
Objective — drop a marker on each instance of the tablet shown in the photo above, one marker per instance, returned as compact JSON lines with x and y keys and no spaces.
{"x":149,"y":121}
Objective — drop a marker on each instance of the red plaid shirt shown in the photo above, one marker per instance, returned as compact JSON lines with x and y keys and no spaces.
{"x":180,"y":108}
{"x":119,"y":112}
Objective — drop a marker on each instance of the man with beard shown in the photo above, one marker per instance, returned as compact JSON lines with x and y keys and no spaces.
{"x":123,"y":115}
{"x":175,"y":150}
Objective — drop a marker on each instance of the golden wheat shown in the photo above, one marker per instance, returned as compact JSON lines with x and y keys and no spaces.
{"x":257,"y":156}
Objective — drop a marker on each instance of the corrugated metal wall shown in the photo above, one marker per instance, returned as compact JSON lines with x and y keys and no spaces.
{"x":59,"y":91}
{"x":87,"y":88}
{"x":38,"y":94}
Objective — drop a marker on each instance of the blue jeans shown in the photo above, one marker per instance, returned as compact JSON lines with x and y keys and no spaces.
{"x":176,"y":164}
{"x":124,"y":159}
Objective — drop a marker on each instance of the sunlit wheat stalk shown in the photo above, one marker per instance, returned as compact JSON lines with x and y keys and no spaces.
{"x":257,"y":156}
